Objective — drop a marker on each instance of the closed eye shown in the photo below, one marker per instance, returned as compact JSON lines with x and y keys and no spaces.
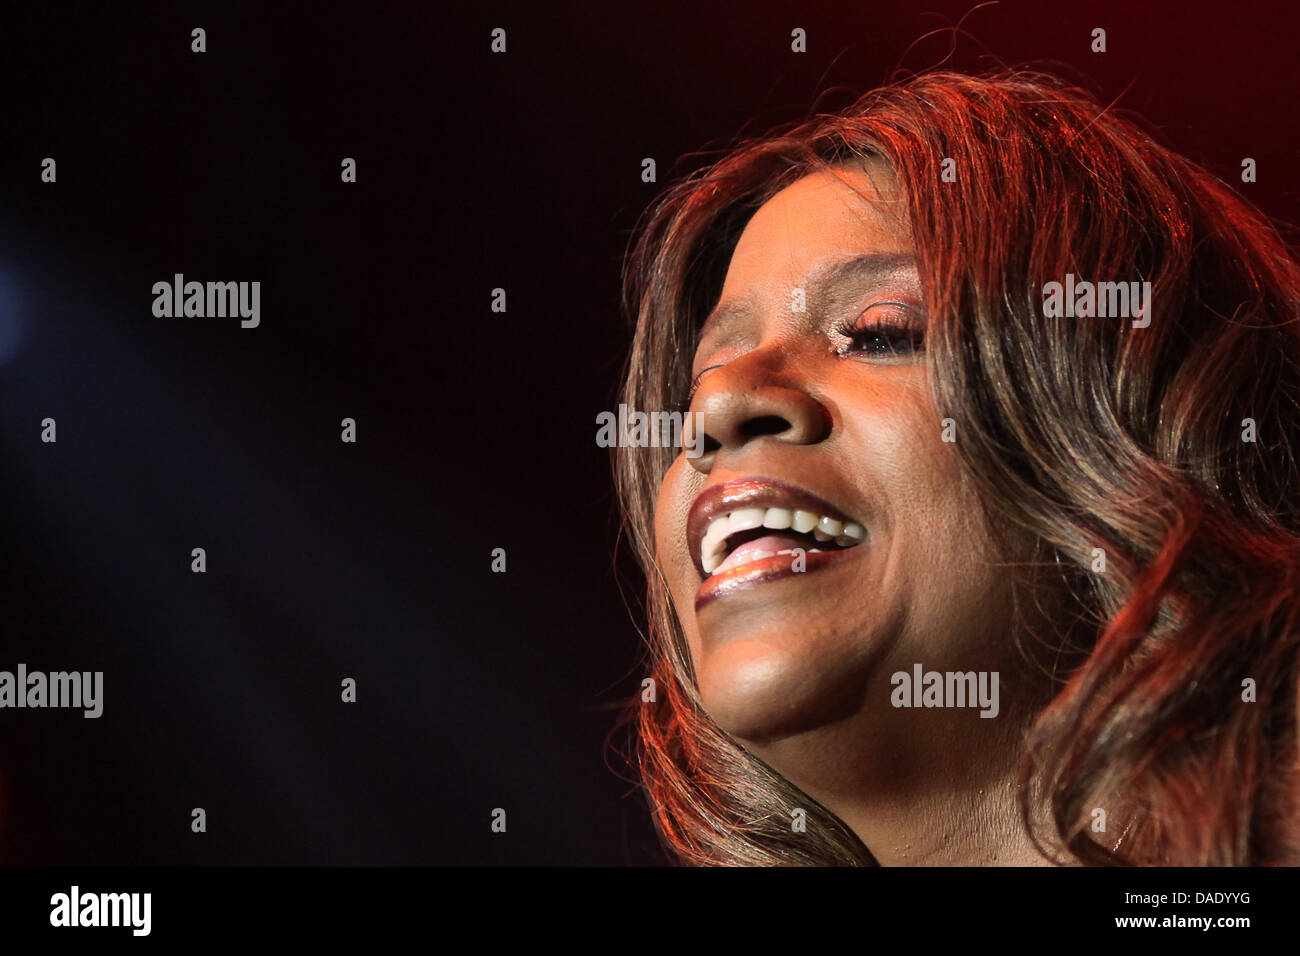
{"x":886,"y":330}
{"x":695,"y":387}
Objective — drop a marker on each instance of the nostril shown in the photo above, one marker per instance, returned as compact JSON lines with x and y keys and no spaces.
{"x":763,"y":425}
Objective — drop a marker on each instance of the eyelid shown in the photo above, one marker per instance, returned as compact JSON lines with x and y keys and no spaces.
{"x":911,"y":326}
{"x":914,"y":321}
{"x":695,"y":383}
{"x":906,"y":306}
{"x":846,"y":328}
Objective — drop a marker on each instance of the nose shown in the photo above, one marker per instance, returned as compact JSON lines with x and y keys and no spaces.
{"x":753,"y":399}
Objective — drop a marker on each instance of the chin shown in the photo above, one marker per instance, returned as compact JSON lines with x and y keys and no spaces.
{"x":757,"y":690}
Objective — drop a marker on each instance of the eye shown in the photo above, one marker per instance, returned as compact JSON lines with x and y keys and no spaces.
{"x":886,"y":330}
{"x":695,"y":387}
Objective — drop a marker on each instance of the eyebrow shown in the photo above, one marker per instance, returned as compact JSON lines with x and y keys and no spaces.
{"x":865,"y":269}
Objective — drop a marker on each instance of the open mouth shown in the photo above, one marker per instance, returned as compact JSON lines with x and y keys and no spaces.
{"x":746,"y":535}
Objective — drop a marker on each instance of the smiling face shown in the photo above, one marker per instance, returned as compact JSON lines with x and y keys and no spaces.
{"x":816,"y":402}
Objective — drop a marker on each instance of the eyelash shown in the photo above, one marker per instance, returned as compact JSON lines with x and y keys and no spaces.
{"x":899,"y":328}
{"x":695,"y":387}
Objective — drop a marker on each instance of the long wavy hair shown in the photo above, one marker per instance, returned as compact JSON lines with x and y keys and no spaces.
{"x":1168,"y":452}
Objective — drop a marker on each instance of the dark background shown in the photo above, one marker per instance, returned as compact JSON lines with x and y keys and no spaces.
{"x":476,"y":430}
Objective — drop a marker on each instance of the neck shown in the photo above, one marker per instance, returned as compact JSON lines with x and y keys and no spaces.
{"x":951,"y":798}
{"x":980,"y":826}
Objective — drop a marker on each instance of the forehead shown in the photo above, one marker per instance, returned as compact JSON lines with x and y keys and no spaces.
{"x":845,"y":209}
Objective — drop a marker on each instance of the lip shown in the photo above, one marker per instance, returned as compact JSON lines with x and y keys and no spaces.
{"x":752,"y":492}
{"x":765,"y":570}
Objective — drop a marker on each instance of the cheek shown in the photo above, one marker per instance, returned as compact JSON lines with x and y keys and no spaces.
{"x":928,"y":488}
{"x":898,"y":443}
{"x":680,"y":486}
{"x":943,"y":561}
{"x":678,"y":490}
{"x":956,"y":575}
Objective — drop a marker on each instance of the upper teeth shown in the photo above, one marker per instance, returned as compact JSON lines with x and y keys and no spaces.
{"x":713,"y":549}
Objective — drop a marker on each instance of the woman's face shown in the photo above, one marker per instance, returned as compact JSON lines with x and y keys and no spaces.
{"x":811,"y":413}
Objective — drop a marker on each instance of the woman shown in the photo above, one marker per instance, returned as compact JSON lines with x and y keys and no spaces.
{"x":992,"y":551}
